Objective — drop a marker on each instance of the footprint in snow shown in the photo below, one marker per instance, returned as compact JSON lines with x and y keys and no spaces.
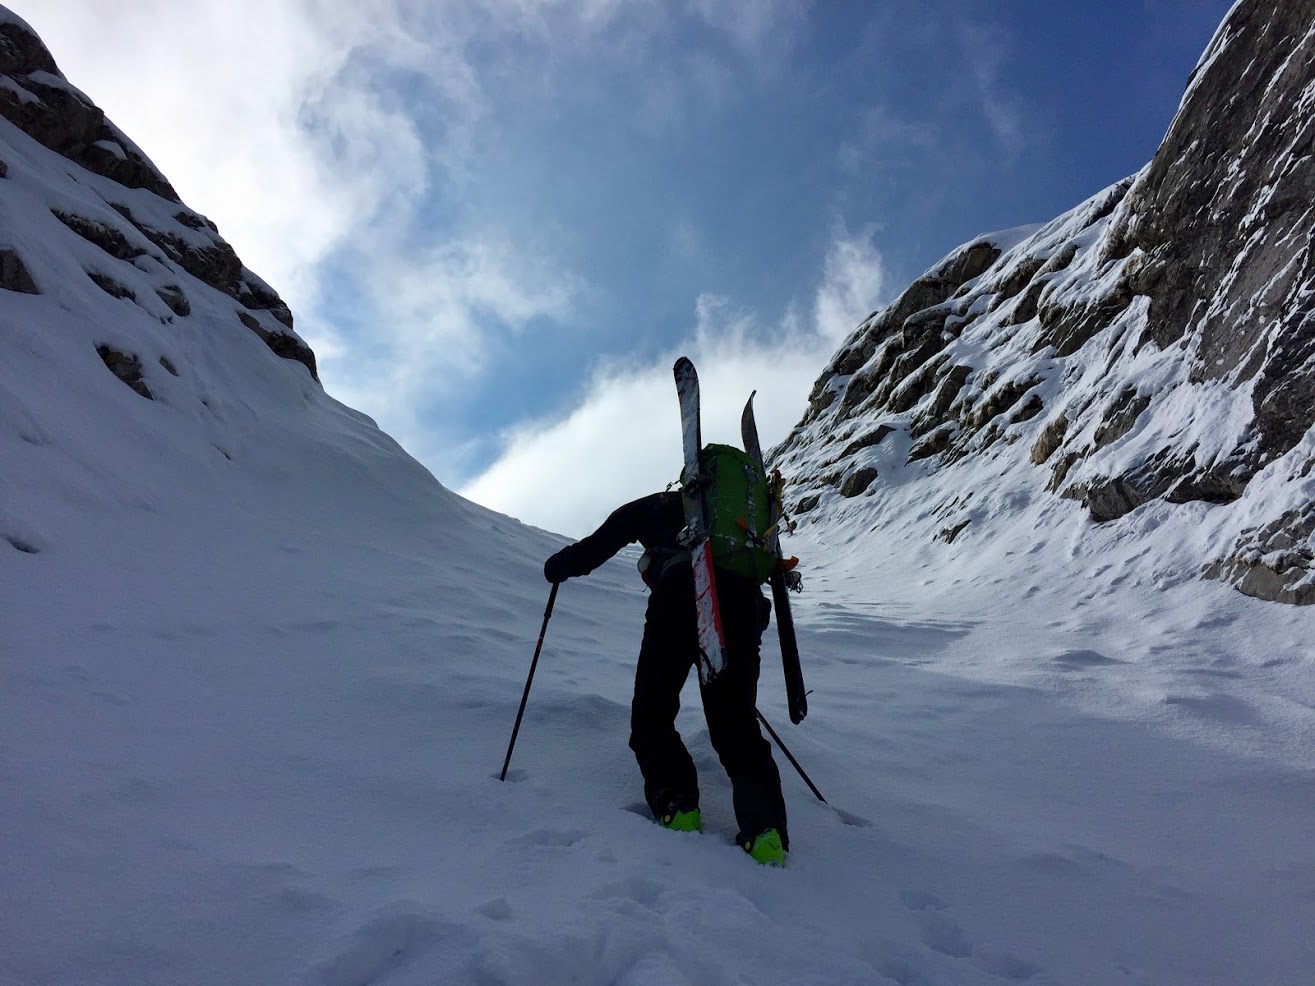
{"x":641,"y":809}
{"x":903,"y":972}
{"x":633,"y":890}
{"x":1074,"y":659}
{"x":940,"y":932}
{"x":378,"y":948}
{"x":943,"y":934}
{"x":1215,"y":673}
{"x":300,"y":900}
{"x":497,"y":909}
{"x":1007,"y":966}
{"x":921,"y":900}
{"x":552,"y":838}
{"x":1220,"y":706}
{"x":849,"y":818}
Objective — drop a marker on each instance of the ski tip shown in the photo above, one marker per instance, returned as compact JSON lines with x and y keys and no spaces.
{"x":687,"y":378}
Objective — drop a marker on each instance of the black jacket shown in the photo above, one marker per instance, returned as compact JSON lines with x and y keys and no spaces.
{"x":655,"y":521}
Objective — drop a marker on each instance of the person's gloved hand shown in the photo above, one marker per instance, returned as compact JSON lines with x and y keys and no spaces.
{"x":554,"y":569}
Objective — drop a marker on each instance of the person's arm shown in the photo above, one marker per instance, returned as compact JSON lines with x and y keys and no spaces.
{"x":621,"y":528}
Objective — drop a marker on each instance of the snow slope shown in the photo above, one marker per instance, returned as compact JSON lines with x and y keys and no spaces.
{"x":260,"y":669}
{"x":254,"y":716}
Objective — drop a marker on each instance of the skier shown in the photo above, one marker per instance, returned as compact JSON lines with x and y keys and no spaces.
{"x":669,"y":649}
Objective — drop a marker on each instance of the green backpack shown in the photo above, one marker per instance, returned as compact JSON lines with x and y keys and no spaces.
{"x":737,"y":511}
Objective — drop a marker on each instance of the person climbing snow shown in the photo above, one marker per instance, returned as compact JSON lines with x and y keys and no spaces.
{"x":670,"y":648}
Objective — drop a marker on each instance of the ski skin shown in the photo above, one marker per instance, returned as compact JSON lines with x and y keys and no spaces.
{"x":712,"y":638}
{"x":796,"y":696}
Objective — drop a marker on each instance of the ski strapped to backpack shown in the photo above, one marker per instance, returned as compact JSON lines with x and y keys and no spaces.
{"x":712,"y":639}
{"x":733,"y":516}
{"x":783,"y":576}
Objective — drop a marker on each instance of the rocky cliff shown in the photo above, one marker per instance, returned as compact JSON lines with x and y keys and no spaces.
{"x":150,"y":250}
{"x":1152,"y":348}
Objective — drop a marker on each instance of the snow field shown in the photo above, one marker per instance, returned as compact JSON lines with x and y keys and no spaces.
{"x":280,"y":766}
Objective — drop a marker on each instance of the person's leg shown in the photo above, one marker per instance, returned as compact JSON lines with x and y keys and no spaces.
{"x":665,"y":657}
{"x":730,"y":704}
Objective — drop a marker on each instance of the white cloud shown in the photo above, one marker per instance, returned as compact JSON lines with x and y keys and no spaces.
{"x":853,"y":283}
{"x":312,"y":132}
{"x":688,"y":242}
{"x":298,"y":127}
{"x":882,"y":137}
{"x":757,"y":26}
{"x":217,"y":93}
{"x":965,"y":84}
{"x":986,"y":50}
{"x":622,"y":439}
{"x":436,"y":318}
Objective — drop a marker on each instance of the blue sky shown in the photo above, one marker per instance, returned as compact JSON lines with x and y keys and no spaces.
{"x":498,"y":221}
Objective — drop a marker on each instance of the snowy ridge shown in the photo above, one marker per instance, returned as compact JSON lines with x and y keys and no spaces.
{"x":1153,"y":344}
{"x":116,"y":200}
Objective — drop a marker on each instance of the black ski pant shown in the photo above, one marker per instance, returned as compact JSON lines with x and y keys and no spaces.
{"x":669,"y":650}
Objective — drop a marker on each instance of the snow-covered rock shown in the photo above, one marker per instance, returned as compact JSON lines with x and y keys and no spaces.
{"x":115,"y":199}
{"x":1156,"y":343}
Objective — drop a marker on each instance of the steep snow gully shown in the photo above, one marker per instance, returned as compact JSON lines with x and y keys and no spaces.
{"x":259,"y":672}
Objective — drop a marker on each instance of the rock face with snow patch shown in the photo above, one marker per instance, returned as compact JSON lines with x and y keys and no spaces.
{"x":1155,"y":344}
{"x":147,"y":237}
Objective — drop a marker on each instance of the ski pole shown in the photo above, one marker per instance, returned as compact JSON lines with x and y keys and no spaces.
{"x":789,"y":756}
{"x":552,"y":598}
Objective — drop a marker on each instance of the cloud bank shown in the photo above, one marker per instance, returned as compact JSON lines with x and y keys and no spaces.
{"x":621,"y":440}
{"x":341,"y":145}
{"x":456,"y":194}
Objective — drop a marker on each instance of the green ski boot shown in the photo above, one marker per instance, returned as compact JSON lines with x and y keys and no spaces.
{"x":766,"y":848}
{"x":682,"y":821}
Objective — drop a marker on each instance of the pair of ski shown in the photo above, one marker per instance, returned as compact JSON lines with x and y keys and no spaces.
{"x":712,"y":639}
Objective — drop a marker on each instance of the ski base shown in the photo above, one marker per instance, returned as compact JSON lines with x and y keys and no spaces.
{"x":796,"y":695}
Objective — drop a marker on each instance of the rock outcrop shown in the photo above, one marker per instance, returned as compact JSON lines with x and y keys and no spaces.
{"x":1157,"y":343}
{"x":149,"y":229}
